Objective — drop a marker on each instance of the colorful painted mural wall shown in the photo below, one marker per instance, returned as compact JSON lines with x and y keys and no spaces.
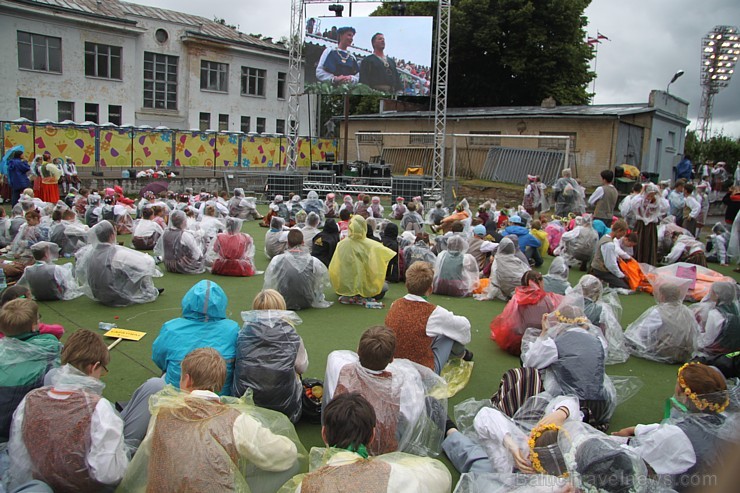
{"x":130,"y":147}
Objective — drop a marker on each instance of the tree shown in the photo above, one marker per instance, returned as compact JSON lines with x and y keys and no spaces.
{"x":719,"y":147}
{"x":514,"y":52}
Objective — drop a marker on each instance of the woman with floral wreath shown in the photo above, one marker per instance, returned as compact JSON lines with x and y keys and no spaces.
{"x":700,"y":423}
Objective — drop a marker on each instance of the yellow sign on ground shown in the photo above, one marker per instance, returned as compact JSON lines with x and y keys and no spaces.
{"x":130,"y":335}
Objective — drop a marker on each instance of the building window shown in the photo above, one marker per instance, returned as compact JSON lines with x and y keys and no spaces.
{"x":214,"y":76}
{"x":91,"y":112}
{"x":253,"y":81}
{"x":205,"y":122}
{"x":558,"y":144}
{"x":368,"y":138}
{"x":280,"y":126}
{"x":421,"y":138}
{"x":261,"y":125}
{"x":27,"y":108}
{"x":281,"y":85}
{"x":246,"y":123}
{"x":66,"y":110}
{"x":102,"y":61}
{"x":37,"y":52}
{"x":486,"y":141}
{"x":160,"y":81}
{"x":671,"y":141}
{"x":114,"y":114}
{"x":223,"y":123}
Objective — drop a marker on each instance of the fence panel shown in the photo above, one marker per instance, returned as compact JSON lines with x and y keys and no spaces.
{"x":115,"y":147}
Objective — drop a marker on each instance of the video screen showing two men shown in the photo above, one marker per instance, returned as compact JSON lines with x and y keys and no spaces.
{"x":368,"y":55}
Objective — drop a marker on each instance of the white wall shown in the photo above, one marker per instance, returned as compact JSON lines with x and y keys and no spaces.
{"x":73,"y":85}
{"x":663,"y":161}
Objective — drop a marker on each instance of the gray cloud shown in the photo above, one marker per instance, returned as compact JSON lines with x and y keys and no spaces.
{"x":650,"y":40}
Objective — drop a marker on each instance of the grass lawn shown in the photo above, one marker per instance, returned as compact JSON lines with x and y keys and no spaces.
{"x":339,"y":327}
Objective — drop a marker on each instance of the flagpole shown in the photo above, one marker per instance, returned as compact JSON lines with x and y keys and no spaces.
{"x":596,"y":61}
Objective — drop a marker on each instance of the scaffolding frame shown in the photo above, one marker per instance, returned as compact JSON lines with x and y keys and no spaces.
{"x":295,"y":66}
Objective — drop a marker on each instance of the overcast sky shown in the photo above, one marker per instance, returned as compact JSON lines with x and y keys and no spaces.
{"x":650,"y":41}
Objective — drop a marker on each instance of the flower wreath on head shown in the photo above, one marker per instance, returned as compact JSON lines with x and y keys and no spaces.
{"x":534,"y":457}
{"x":565,"y":320}
{"x":701,"y":404}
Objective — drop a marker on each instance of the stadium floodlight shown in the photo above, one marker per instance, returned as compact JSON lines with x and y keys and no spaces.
{"x":719,"y":54}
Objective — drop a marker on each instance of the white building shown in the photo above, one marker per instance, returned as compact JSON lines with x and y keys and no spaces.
{"x":115,"y":61}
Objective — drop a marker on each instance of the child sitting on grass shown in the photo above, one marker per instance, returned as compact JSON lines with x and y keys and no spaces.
{"x":25,"y":357}
{"x":426,"y":334}
{"x":224,"y":440}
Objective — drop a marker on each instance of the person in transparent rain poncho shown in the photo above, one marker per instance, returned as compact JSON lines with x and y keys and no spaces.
{"x":699,"y":428}
{"x":577,"y":245}
{"x":243,"y":207}
{"x":314,"y":204}
{"x":455,"y":271}
{"x":567,"y":194}
{"x":67,"y":434}
{"x":231,"y":253}
{"x":299,"y":277}
{"x":311,"y":229}
{"x":146,"y":231}
{"x":556,"y":279}
{"x":604,"y":311}
{"x":46,"y":280}
{"x":199,"y":442}
{"x":270,"y":356}
{"x":599,"y":463}
{"x":717,"y":244}
{"x":115,"y":275}
{"x":276,"y":238}
{"x":209,"y":224}
{"x":506,"y":272}
{"x":719,"y":320}
{"x":30,"y":233}
{"x":26,"y":355}
{"x":569,"y":356}
{"x":180,"y":249}
{"x":524,"y":310}
{"x":344,"y":465}
{"x":666,"y":332}
{"x":409,"y":419}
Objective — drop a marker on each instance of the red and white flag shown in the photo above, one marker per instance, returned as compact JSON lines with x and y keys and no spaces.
{"x":601,"y":36}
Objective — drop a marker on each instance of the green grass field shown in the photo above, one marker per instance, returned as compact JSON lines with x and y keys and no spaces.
{"x":339,"y":327}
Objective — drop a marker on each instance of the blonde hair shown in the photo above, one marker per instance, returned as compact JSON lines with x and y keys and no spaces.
{"x":18,"y":316}
{"x":28,"y":192}
{"x":85,"y":348}
{"x":206,"y":367}
{"x":268,"y":299}
{"x":419,"y":278}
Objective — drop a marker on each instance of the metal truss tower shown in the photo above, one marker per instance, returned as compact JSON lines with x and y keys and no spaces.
{"x":719,"y":54}
{"x":440,"y":115}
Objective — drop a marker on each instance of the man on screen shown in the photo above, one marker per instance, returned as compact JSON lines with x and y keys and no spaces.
{"x":338,"y":65}
{"x":379,"y":71}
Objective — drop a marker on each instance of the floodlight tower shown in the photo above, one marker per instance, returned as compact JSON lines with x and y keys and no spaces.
{"x":720,"y":51}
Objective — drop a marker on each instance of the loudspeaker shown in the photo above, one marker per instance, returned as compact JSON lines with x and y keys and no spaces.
{"x":285,"y":184}
{"x":320,"y":176}
{"x":409,"y":187}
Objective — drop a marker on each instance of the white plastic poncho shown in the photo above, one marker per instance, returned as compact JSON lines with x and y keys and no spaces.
{"x":299,"y":277}
{"x":276,"y":238}
{"x":556,"y":279}
{"x":597,"y":462}
{"x":314,"y":204}
{"x":115,"y":275}
{"x":506,"y":272}
{"x":718,"y":316}
{"x":147,"y":229}
{"x":50,"y":282}
{"x":604,"y":311}
{"x":733,"y":246}
{"x":667,"y":332}
{"x":180,"y":249}
{"x":233,"y":446}
{"x":408,"y":418}
{"x":210,"y":226}
{"x":455,"y":272}
{"x":577,"y":245}
{"x":266,"y":353}
{"x":76,"y":234}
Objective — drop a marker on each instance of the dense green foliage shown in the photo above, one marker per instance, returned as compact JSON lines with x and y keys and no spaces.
{"x":718,"y":148}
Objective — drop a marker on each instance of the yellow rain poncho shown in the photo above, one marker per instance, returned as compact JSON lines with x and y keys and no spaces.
{"x":359,"y":263}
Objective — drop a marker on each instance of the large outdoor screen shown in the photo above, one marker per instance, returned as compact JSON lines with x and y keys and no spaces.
{"x":368,"y":55}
